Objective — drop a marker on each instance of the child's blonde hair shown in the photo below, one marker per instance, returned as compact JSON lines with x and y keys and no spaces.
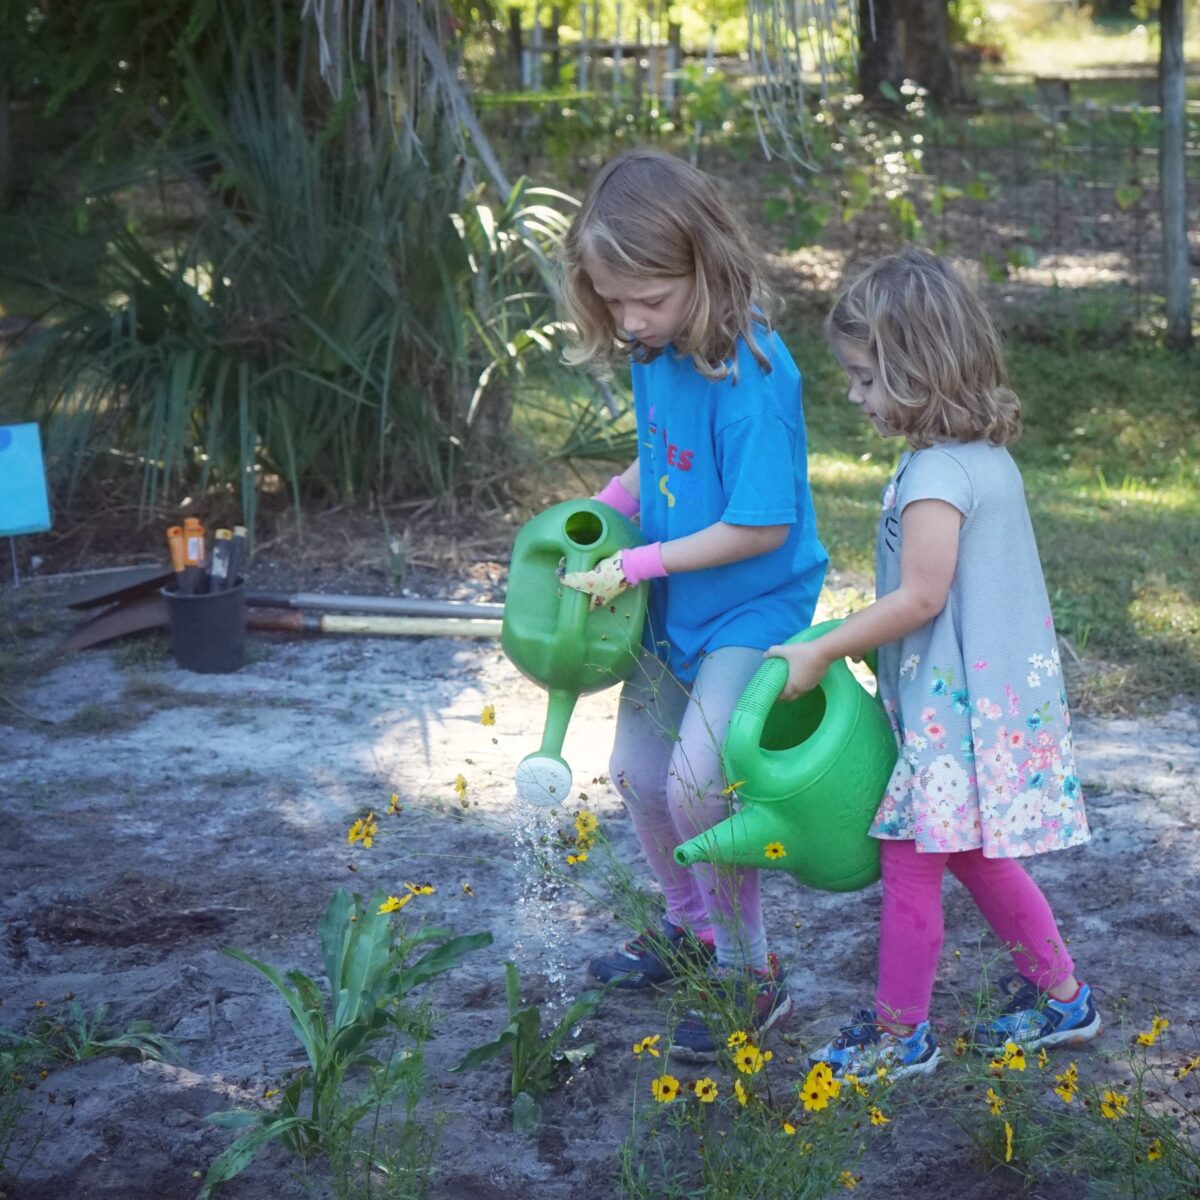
{"x":651,"y":216}
{"x":934,"y":348}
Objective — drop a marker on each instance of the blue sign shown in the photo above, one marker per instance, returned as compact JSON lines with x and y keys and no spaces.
{"x":24,"y":504}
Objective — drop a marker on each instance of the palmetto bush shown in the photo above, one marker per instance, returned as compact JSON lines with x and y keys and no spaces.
{"x":343,"y":315}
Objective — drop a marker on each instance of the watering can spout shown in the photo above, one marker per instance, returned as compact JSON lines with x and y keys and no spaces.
{"x":740,"y":841}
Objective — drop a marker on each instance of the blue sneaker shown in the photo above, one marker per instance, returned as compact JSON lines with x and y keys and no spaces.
{"x":754,"y":1002}
{"x":863,"y":1046}
{"x":1032,"y":1018}
{"x":653,"y":959}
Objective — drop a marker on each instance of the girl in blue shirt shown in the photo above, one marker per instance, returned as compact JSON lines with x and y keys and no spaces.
{"x":658,"y":271}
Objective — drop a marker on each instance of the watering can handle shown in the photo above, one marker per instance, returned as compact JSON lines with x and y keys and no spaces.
{"x":762,"y":692}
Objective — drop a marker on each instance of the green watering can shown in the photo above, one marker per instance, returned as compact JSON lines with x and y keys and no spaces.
{"x":810,"y":775}
{"x":552,"y":635}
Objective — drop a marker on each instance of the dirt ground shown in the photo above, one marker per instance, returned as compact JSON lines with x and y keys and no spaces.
{"x":150,"y":817}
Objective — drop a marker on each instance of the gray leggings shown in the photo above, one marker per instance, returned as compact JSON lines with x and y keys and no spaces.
{"x":666,"y":761}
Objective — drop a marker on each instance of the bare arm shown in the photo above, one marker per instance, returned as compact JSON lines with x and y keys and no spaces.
{"x":929,"y":553}
{"x":720,"y":544}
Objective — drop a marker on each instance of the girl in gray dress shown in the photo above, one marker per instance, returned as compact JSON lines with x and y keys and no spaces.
{"x":969,"y":671}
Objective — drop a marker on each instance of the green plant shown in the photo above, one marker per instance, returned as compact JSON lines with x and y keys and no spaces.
{"x":539,"y":1062}
{"x":1129,"y":1128}
{"x":736,"y":1131}
{"x":369,"y":978}
{"x":73,"y":1033}
{"x":338,"y":322}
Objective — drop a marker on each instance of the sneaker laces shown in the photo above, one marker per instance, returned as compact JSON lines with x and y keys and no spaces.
{"x":1023,"y":995}
{"x":862,"y":1031}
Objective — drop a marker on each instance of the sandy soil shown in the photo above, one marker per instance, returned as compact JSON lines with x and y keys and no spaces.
{"x":150,"y":817}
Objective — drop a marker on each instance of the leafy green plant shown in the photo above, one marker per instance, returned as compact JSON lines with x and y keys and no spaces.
{"x":337,"y":323}
{"x":369,"y":978}
{"x":76,"y":1034}
{"x":539,"y":1062}
{"x":735,"y":1129}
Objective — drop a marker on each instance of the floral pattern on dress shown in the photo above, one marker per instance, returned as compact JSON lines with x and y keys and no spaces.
{"x":992,"y":770}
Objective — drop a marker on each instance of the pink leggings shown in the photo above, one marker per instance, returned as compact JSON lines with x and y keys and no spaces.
{"x":910,"y":940}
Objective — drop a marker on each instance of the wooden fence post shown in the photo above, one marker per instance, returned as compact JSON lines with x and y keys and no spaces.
{"x":581,"y":70}
{"x":552,"y":35}
{"x":637,"y":70}
{"x":536,"y":63}
{"x":1173,"y":176}
{"x":674,"y":58}
{"x":515,"y":50}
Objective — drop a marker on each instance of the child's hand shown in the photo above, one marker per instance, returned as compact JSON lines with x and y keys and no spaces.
{"x":806,"y":667}
{"x":605,"y":581}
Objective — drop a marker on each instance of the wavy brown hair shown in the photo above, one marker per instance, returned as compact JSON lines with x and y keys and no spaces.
{"x":650,"y":216}
{"x":934,"y":347}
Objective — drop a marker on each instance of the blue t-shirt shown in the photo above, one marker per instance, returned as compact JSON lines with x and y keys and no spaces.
{"x":712,"y":451}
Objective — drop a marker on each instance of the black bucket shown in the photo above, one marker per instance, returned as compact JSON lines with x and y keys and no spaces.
{"x":208,"y":630}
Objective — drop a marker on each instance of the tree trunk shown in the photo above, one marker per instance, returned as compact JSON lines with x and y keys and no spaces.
{"x":925,"y":49}
{"x":1173,"y":178}
{"x":878,"y":48}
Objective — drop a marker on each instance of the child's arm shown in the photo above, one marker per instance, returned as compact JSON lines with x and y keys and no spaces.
{"x":929,"y":552}
{"x":720,"y":544}
{"x":714,"y":546}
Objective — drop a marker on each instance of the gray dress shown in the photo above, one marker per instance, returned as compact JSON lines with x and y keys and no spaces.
{"x":976,"y":696}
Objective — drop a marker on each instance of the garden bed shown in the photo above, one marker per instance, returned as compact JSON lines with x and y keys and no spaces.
{"x":152,"y":817}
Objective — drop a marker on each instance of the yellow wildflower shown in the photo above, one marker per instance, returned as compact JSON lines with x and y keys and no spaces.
{"x":468,"y":890}
{"x":575,"y":859}
{"x":1043,"y":1058}
{"x":394,"y":804}
{"x":1154,"y":1151}
{"x":705,"y":1089}
{"x":664,"y":1088}
{"x":789,"y":1129}
{"x":743,"y":1096}
{"x":1068,"y":1083}
{"x":733,"y":787}
{"x":586,"y":825}
{"x":647,"y":1045}
{"x":1157,"y":1026}
{"x":775,"y":850}
{"x":460,"y":786}
{"x":860,"y":1088}
{"x":1112,"y":1105}
{"x":739,"y":1037}
{"x":488,"y":716}
{"x":421,"y":889}
{"x":1188,"y":1068}
{"x":1014,"y":1056}
{"x":995,"y":1101}
{"x":1007,"y":1141}
{"x":819,"y":1088}
{"x":750,"y":1059}
{"x":849,"y":1180}
{"x":395,"y":903}
{"x":959,"y":1046}
{"x":363,"y":830}
{"x":269,"y":1092}
{"x":877,"y":1115}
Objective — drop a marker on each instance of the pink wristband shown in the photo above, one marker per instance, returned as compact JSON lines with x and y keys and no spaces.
{"x":642,"y":563}
{"x":616,"y":495}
